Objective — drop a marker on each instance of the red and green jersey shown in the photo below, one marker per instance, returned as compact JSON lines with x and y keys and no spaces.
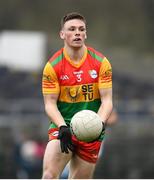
{"x":76,"y":84}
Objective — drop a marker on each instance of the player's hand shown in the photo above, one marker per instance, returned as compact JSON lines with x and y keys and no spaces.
{"x":65,"y":138}
{"x":103,"y":131}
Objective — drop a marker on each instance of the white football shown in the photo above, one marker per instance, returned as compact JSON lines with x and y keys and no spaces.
{"x":86,"y":125}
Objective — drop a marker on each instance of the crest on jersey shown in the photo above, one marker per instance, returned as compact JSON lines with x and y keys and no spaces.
{"x":47,"y":78}
{"x":73,"y":93}
{"x":93,"y":73}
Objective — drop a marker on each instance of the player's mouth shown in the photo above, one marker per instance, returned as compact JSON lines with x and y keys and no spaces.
{"x":77,"y":40}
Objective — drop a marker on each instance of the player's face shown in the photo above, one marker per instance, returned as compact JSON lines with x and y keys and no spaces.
{"x":74,"y":33}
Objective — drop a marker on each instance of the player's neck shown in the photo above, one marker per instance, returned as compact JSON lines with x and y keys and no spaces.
{"x":75,"y":54}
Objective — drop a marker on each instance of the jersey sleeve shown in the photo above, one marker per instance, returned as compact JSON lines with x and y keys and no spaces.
{"x":105,"y":74}
{"x":50,"y":82}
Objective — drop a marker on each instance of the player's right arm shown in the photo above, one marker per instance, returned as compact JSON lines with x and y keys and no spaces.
{"x":50,"y":101}
{"x":50,"y":89}
{"x":53,"y":113}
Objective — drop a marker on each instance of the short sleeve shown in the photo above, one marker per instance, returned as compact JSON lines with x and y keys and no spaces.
{"x":105,"y":74}
{"x":50,"y":82}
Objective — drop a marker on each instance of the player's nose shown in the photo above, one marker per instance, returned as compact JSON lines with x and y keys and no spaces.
{"x":77,"y":32}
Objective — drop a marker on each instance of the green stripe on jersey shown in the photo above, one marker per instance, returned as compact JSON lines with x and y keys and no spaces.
{"x":57,"y":60}
{"x":99,"y":58}
{"x":69,"y":109}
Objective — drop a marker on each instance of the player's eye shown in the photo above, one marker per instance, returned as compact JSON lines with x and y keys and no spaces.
{"x":71,"y":29}
{"x":82,"y":29}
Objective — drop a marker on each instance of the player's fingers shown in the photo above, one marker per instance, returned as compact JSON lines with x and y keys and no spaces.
{"x":71,"y":147}
{"x":103,"y":126}
{"x":59,"y":136}
{"x":66,"y":149}
{"x":103,"y":132}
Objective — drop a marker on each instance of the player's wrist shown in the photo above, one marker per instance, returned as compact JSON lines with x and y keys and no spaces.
{"x":62,"y":124}
{"x":63,"y":127}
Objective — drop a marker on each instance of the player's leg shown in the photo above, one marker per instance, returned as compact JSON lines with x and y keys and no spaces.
{"x":83,"y":161}
{"x":81,"y":169}
{"x":54,"y":161}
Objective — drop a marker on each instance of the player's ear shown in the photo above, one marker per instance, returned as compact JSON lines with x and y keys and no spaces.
{"x":61,"y":34}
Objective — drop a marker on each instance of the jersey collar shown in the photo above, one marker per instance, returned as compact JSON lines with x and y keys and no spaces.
{"x":71,"y":62}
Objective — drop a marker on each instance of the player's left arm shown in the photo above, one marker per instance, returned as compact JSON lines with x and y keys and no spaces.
{"x":105,"y":90}
{"x":106,"y":104}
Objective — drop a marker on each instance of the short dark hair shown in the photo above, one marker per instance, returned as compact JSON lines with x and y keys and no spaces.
{"x":70,"y":16}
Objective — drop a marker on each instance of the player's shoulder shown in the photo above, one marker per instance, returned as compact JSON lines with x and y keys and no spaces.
{"x":93,"y":50}
{"x":95,"y":53}
{"x":56,"y":56}
{"x":98,"y":55}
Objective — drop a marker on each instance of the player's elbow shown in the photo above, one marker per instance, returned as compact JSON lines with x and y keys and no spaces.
{"x":48,"y":108}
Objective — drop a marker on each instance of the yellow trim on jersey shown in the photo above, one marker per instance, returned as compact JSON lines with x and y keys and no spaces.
{"x":72,"y":62}
{"x":105,"y":74}
{"x":79,"y":93}
{"x":50,"y":81}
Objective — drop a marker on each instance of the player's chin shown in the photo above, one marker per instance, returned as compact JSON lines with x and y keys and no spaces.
{"x":77,"y":45}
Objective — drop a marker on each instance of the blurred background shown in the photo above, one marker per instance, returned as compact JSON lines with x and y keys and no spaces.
{"x":29,"y":34}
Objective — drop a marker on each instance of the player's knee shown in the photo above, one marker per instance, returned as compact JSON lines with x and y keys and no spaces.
{"x":81,"y":175}
{"x":49,"y":175}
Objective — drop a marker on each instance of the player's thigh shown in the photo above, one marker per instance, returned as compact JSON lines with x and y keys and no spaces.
{"x":54,"y":161}
{"x":80,"y":168}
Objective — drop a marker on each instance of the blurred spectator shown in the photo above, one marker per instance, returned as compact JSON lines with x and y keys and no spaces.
{"x":29,"y":157}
